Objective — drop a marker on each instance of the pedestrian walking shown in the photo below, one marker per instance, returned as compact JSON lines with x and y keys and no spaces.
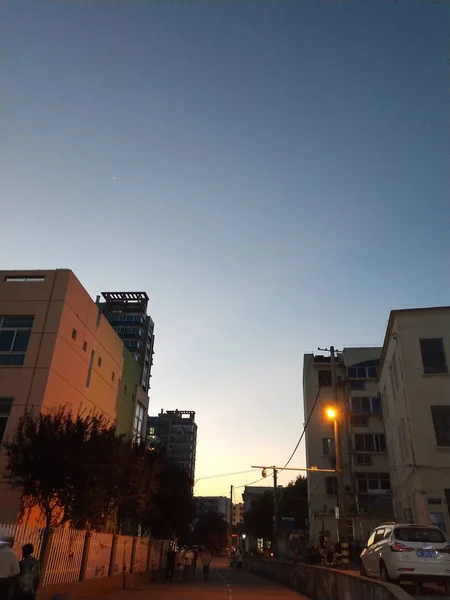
{"x":29,"y":576}
{"x":188,"y":559}
{"x":206,"y":558}
{"x":171,"y":563}
{"x":9,"y":568}
{"x":194,"y":562}
{"x":239,"y":558}
{"x":179,"y":566}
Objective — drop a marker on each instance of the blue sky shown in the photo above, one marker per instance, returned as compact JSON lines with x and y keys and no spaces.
{"x":272,"y":173}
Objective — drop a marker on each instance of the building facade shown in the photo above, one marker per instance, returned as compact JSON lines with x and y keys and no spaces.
{"x":127,"y":314}
{"x":55,"y":349}
{"x":176,"y":431}
{"x":213,"y":504}
{"x":363,"y":443}
{"x":238,"y":513}
{"x":415,"y":392}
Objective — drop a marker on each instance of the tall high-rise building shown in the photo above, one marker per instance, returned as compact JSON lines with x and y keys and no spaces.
{"x":127,"y":314}
{"x":415,"y":394}
{"x":176,"y":431}
{"x":56,"y":349}
{"x":368,"y":496}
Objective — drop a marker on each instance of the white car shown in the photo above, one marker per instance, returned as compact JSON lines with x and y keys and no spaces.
{"x":397,"y":552}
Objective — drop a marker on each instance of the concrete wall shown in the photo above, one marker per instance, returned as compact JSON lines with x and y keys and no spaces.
{"x":419,"y":468}
{"x":319,"y":583}
{"x":57,"y":359}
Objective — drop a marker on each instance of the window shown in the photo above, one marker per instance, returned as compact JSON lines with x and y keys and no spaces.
{"x":365,"y":404}
{"x":113,"y":376}
{"x":99,"y":362}
{"x":424,"y":534}
{"x":379,"y":535}
{"x":324,"y":378}
{"x":364,"y":370}
{"x":370,"y":442}
{"x":364,"y":459}
{"x":433,"y":356}
{"x":151,"y":431}
{"x":74,"y":334}
{"x":359,"y":421}
{"x":328,"y":446}
{"x":14,"y":337}
{"x":24,"y":278}
{"x":84,"y":346}
{"x":331,"y":486}
{"x":441,"y":422}
{"x":371,"y":540}
{"x":138,"y":421}
{"x":371,"y":483}
{"x":357,"y":384}
{"x":5,"y":409}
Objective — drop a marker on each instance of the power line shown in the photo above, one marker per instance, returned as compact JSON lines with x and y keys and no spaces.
{"x":304,"y":429}
{"x":225,"y":475}
{"x":297,"y":445}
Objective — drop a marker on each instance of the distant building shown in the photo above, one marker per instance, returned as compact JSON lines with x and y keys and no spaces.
{"x":176,"y":431}
{"x":252,"y":494}
{"x":238,"y":513}
{"x":368,"y":496}
{"x":415,"y":392}
{"x":127,"y":314}
{"x":213,"y":504}
{"x":55,"y":349}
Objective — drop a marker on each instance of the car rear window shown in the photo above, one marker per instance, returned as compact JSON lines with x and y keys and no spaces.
{"x":419,"y":534}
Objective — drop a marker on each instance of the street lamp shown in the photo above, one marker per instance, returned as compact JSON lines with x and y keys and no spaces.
{"x":332,"y":414}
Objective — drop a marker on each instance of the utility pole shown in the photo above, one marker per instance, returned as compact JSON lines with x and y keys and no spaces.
{"x":275,"y":512}
{"x":342,"y":517}
{"x":231,"y":517}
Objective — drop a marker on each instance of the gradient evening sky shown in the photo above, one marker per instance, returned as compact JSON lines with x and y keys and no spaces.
{"x":272,"y":173}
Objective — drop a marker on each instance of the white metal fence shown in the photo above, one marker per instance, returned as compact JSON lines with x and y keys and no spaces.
{"x":69,"y":555}
{"x":99,"y":555}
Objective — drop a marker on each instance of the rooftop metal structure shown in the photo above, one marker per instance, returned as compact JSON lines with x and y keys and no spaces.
{"x":125,"y":297}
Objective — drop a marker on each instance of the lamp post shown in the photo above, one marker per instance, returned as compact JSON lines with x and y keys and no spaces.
{"x":332,"y":414}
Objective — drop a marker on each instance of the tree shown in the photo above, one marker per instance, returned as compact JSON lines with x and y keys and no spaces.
{"x":293,"y":501}
{"x":211,"y":531}
{"x":259,"y":519}
{"x":58,"y":460}
{"x":173,"y":509}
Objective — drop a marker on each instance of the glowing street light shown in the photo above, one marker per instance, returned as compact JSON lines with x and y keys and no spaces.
{"x":331,"y":413}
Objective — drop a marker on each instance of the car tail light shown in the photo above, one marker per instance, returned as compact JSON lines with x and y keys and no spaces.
{"x":396,"y":547}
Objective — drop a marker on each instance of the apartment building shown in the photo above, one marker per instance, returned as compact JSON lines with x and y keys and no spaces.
{"x":415,"y":392}
{"x":213,"y":504}
{"x":238,"y":513}
{"x":362,"y":436}
{"x":176,"y":431}
{"x":55,"y":349}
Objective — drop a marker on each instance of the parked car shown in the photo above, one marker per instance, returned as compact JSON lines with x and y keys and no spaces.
{"x":417,"y":553}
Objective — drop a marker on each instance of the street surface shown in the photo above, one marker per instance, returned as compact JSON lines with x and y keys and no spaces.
{"x":224,"y":583}
{"x":429,"y":590}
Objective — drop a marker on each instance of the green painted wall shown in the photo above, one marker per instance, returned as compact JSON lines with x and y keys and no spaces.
{"x":126,"y":395}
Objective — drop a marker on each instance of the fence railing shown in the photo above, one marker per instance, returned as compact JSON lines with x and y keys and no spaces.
{"x":69,"y":555}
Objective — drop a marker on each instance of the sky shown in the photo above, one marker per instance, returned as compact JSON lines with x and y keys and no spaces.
{"x":273,"y":173}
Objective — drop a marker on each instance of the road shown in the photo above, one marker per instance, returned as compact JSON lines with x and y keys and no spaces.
{"x":224,"y":583}
{"x":428,"y":592}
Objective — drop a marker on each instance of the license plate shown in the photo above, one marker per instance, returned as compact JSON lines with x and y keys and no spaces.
{"x":426,"y":553}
